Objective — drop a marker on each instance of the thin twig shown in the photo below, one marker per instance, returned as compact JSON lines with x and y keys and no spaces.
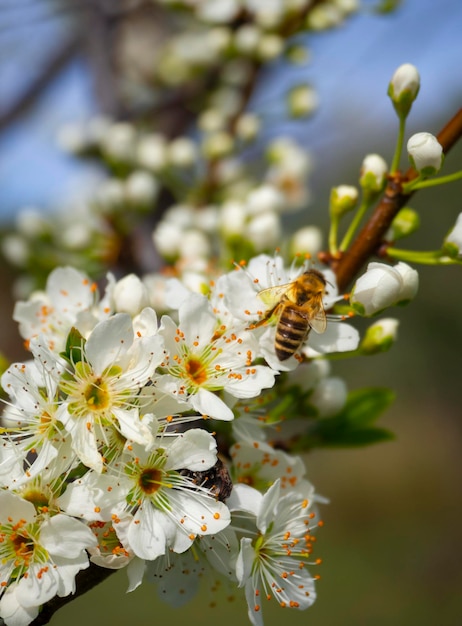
{"x":369,"y":240}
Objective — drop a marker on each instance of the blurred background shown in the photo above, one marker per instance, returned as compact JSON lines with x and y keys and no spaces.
{"x":391,"y":546}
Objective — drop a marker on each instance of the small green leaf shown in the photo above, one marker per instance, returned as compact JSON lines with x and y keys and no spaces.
{"x":352,"y":425}
{"x":365,"y":405}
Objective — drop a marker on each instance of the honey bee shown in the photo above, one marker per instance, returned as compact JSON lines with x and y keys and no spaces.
{"x":216,"y":479}
{"x":298,"y":308}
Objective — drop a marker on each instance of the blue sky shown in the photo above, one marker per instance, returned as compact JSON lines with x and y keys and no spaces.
{"x":350,"y":69}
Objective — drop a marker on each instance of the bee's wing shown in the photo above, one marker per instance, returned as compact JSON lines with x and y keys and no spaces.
{"x":272,"y":295}
{"x":319,"y":321}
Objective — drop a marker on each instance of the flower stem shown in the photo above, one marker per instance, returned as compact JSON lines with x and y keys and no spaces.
{"x":427,"y":257}
{"x":399,"y":144}
{"x":354,"y":225}
{"x":432,"y":182}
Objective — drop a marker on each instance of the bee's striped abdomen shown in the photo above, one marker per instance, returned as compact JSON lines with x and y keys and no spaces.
{"x":291,"y":331}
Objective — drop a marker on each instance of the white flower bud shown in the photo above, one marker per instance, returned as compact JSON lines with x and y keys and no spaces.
{"x":220,"y":11}
{"x":118,"y":142}
{"x":347,"y":6}
{"x":403,"y":88}
{"x":342,"y":199}
{"x":373,"y":173}
{"x":324,"y":16}
{"x":453,"y":241}
{"x":410,"y":285}
{"x":247,"y":126}
{"x":264,"y":231}
{"x":15,"y":249}
{"x":110,"y":195}
{"x":425,"y":153}
{"x":130,"y":295}
{"x":151,"y":152}
{"x":232,"y":218}
{"x":194,"y":244}
{"x":182,"y":152}
{"x":211,"y":121}
{"x":270,"y":47}
{"x":181,"y":215}
{"x":167,"y":239}
{"x":379,"y":287}
{"x":77,"y":236}
{"x":380,"y":336}
{"x":219,"y":39}
{"x":329,"y":396}
{"x":302,"y":100}
{"x":141,"y":188}
{"x":217,"y":145}
{"x":264,"y":198}
{"x":247,"y":38}
{"x":306,"y":240}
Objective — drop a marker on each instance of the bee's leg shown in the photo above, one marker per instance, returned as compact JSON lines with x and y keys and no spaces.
{"x":268,"y":315}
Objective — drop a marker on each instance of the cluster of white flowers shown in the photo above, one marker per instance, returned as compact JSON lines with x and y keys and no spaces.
{"x":105,"y":454}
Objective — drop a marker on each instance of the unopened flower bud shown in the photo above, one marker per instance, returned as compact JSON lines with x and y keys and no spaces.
{"x":410,"y":284}
{"x":405,"y":223}
{"x":141,"y":188}
{"x":425,"y":153}
{"x":329,"y":396}
{"x":270,"y":46}
{"x":306,"y":240}
{"x":167,"y":239}
{"x":217,"y":145}
{"x":453,"y":241}
{"x":264,"y":198}
{"x":151,"y":152}
{"x":130,"y":295}
{"x":247,"y":38}
{"x":119,"y":142}
{"x":373,"y":174}
{"x":232,"y":218}
{"x":195,"y":245}
{"x":342,"y":199}
{"x":403,"y":88}
{"x":302,"y":100}
{"x":264,"y":231}
{"x":182,"y":152}
{"x":247,"y":126}
{"x":380,"y":336}
{"x":382,"y":286}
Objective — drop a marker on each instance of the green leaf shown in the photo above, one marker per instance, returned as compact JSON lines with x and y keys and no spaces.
{"x":365,"y":405}
{"x":352,"y":426}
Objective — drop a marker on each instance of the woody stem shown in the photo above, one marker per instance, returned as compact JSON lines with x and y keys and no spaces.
{"x":371,"y":236}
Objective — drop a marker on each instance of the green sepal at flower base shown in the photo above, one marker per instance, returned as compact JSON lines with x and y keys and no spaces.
{"x":75,"y":344}
{"x":353,"y":425}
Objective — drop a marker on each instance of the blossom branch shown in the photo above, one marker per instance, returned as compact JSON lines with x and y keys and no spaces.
{"x":370,"y":238}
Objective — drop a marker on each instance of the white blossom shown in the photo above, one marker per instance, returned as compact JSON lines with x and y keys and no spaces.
{"x":382,"y":286}
{"x":425,"y":153}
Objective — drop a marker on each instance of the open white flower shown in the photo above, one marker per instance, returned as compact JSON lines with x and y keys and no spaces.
{"x":69,"y":300}
{"x":204,"y":356}
{"x":102,"y":387}
{"x":272,"y":564}
{"x":33,"y":426}
{"x":40,"y":556}
{"x":241,"y":296}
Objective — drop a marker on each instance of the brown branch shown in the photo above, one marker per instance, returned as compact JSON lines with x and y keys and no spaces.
{"x":371,"y":236}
